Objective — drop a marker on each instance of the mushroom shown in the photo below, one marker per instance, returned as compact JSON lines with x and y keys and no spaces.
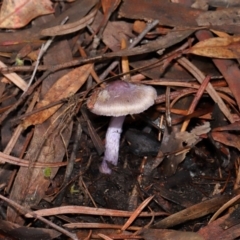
{"x":118,"y":99}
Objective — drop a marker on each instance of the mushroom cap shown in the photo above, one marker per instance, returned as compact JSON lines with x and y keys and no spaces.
{"x":120,"y":98}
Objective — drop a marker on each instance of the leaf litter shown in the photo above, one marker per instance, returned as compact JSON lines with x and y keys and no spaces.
{"x":178,"y":166}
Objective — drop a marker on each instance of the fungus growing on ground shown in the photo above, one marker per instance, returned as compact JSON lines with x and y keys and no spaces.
{"x":118,"y":99}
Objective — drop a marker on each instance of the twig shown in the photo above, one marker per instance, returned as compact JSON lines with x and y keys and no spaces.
{"x":14,"y":78}
{"x":210,"y":89}
{"x":19,"y":128}
{"x":98,"y":225}
{"x":133,"y":44}
{"x":70,"y":165}
{"x":91,"y":211}
{"x":41,"y":52}
{"x":43,"y":49}
{"x":25,"y":163}
{"x":224,"y":207}
{"x":136,"y":213}
{"x":168,"y":110}
{"x":173,"y":95}
{"x":23,"y":97}
{"x":24,"y":210}
{"x":195,"y":101}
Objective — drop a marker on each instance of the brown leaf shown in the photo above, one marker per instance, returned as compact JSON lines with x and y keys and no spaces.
{"x":196,"y":211}
{"x":228,"y":68}
{"x":109,"y":5}
{"x":18,"y":13}
{"x":63,"y":88}
{"x":217,"y":47}
{"x":71,"y":27}
{"x":227,"y":139}
{"x":231,"y":127}
{"x":14,"y":78}
{"x":111,"y":38}
{"x":168,"y":14}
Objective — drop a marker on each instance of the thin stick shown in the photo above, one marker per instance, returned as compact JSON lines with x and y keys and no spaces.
{"x":25,"y":163}
{"x":24,"y":210}
{"x":43,"y":49}
{"x":224,"y":207}
{"x":91,"y":211}
{"x":136,"y":213}
{"x":168,"y":110}
{"x":195,"y":101}
{"x":210,"y":89}
{"x":133,"y":44}
{"x":23,"y":97}
{"x":70,"y":165}
{"x":19,"y":128}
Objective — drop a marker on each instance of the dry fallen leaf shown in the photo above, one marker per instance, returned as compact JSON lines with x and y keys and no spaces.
{"x":109,"y":5}
{"x":70,"y":27}
{"x":228,"y":139}
{"x":217,"y":47}
{"x":63,"y":88}
{"x":14,"y":78}
{"x":18,"y":13}
{"x":220,"y":33}
{"x":231,"y":127}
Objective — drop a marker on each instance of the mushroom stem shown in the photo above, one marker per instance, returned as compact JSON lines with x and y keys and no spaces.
{"x":112,"y":144}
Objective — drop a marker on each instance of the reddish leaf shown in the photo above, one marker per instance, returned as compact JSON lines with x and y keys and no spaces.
{"x":109,"y":5}
{"x":231,"y":127}
{"x":18,"y":13}
{"x":227,"y":139}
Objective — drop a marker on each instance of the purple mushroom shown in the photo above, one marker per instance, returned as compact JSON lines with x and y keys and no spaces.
{"x":118,"y":99}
